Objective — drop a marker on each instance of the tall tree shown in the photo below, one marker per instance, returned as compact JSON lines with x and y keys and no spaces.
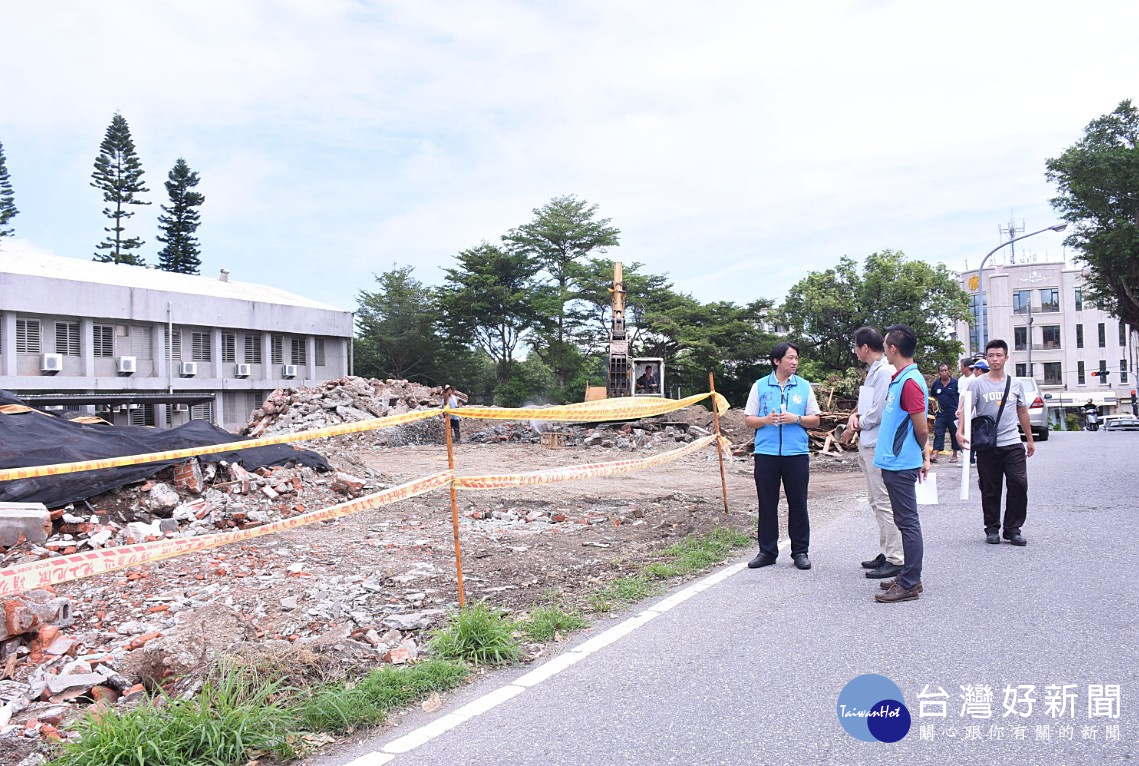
{"x":118,"y":174}
{"x":180,"y":221}
{"x":396,"y":335}
{"x":825,"y":308}
{"x":8,"y":209}
{"x":489,"y":300}
{"x":564,"y":232}
{"x":1098,"y":180}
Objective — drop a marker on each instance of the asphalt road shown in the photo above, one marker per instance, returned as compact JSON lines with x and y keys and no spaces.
{"x":749,"y":669}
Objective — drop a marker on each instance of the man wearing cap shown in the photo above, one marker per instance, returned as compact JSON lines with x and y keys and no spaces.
{"x":451,"y":399}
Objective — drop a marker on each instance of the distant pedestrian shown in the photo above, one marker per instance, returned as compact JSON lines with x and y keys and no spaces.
{"x":869,"y":349}
{"x":902,"y":454}
{"x":451,"y":399}
{"x":944,"y":390}
{"x":781,"y":407}
{"x":1006,"y":462}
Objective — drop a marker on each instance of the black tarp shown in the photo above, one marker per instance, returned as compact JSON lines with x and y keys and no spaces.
{"x":35,"y":438}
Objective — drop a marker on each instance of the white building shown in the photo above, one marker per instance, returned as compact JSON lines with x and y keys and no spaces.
{"x":146,"y":347}
{"x":1054,"y":334}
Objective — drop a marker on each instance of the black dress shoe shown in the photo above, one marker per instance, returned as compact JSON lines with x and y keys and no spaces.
{"x":884,"y":571}
{"x":992,"y":538}
{"x":762,"y":560}
{"x":875,"y":562}
{"x":1016,"y":538}
{"x":801,"y":561}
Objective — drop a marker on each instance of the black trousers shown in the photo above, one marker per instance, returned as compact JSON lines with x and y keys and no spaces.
{"x":1007,"y":465}
{"x":455,"y":430}
{"x":945,"y":421}
{"x":794,"y":472}
{"x":902,"y":488}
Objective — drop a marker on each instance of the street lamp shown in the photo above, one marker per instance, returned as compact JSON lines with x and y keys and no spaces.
{"x":982,"y":308}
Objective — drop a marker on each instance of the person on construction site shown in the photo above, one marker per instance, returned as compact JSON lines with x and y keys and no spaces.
{"x":648,"y":382}
{"x":451,"y":399}
{"x":781,"y":407}
{"x":944,"y":391}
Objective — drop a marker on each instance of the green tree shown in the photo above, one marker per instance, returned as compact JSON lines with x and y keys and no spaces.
{"x":395,"y":329}
{"x":563,"y":233}
{"x":825,"y":308}
{"x":118,"y":174}
{"x":489,"y":301}
{"x":180,"y":221}
{"x":1098,"y":181}
{"x":8,"y":209}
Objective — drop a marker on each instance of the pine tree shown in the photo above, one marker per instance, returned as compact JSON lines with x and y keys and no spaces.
{"x":118,"y":174}
{"x":7,"y":199}
{"x":180,"y":222}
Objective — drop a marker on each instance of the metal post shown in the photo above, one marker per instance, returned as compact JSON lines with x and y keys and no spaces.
{"x":719,"y":447}
{"x":454,"y":504}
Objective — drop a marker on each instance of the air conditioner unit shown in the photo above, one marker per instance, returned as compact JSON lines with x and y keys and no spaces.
{"x":128,"y":365}
{"x":288,"y":371}
{"x":241,"y":370}
{"x":52,"y":363}
{"x":188,"y":369}
{"x":181,"y":408}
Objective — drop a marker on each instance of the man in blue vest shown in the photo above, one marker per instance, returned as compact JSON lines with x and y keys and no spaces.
{"x":781,"y":407}
{"x":902,"y":454}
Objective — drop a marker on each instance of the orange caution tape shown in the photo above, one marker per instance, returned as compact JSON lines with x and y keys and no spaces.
{"x":76,"y":566}
{"x":589,"y":471}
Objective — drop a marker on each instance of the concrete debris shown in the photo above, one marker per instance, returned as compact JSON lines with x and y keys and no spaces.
{"x":29,"y":522}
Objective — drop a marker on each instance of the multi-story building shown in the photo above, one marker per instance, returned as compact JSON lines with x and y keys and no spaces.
{"x":146,"y":347}
{"x":1075,"y":351}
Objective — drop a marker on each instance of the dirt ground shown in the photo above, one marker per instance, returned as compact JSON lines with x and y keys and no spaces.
{"x":390,"y":573}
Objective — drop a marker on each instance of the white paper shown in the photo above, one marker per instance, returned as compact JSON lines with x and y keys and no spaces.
{"x":927,"y":490}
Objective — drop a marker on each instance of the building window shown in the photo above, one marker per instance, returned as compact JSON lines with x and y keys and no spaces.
{"x":1079,"y":299}
{"x":1122,"y":370}
{"x":200,"y":346}
{"x":277,"y":345}
{"x":1080,"y":375}
{"x":1050,"y":300}
{"x":1102,"y":335}
{"x":1123,"y":334}
{"x":228,"y":347}
{"x":1019,"y":338}
{"x":1079,"y":336}
{"x":298,"y":355}
{"x":1051,"y":336}
{"x":174,"y":347}
{"x":140,"y":341}
{"x":1053,"y":375}
{"x":103,"y":340}
{"x":253,"y":349}
{"x":1103,"y":372}
{"x":28,"y":336}
{"x":318,"y":351}
{"x":1021,"y":301}
{"x":1021,"y":370}
{"x":979,"y":309}
{"x":141,"y":415}
{"x":67,"y":338}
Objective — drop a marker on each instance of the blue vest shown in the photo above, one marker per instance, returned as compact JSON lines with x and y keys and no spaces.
{"x":789,"y":439}
{"x":898,"y":448}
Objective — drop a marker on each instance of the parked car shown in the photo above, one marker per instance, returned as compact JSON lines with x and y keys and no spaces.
{"x":1037,"y":408}
{"x":1121,"y":423}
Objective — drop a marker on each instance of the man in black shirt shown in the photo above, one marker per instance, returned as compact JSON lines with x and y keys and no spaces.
{"x":944,"y":390}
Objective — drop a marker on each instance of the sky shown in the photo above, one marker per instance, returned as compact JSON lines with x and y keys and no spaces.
{"x":736,"y":145}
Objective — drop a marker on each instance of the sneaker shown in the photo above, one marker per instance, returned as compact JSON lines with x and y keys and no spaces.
{"x":884,"y":571}
{"x":875,"y":562}
{"x":896,"y":594}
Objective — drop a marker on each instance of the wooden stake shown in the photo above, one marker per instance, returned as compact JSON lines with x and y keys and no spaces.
{"x":719,"y":447}
{"x":454,"y":505}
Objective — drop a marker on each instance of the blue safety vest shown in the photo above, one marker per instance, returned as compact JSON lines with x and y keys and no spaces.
{"x":898,"y":448}
{"x":788,"y":439}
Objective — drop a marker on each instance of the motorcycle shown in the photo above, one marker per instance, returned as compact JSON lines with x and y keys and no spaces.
{"x":1091,"y":421}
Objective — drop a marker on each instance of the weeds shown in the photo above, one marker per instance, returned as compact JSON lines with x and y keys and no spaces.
{"x":548,"y":621}
{"x":478,"y":635}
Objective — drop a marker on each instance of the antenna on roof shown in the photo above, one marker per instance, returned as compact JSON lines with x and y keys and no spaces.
{"x":224,"y":275}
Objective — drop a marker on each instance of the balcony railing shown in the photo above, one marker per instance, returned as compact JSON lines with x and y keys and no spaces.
{"x":1046,"y":346}
{"x":1043,"y":308}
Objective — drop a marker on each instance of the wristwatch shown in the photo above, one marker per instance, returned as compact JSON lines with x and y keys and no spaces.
{"x":799,"y":420}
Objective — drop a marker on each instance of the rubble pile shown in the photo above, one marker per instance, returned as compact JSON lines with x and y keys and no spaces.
{"x":348,"y":400}
{"x":649,"y":433}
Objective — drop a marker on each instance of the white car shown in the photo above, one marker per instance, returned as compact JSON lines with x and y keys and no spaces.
{"x":1037,"y":408}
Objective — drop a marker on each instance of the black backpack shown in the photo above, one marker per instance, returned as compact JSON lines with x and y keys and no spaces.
{"x":984,"y":428}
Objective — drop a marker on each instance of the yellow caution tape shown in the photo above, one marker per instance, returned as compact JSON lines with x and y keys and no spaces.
{"x":76,"y":566}
{"x":589,"y":471}
{"x":607,"y":409}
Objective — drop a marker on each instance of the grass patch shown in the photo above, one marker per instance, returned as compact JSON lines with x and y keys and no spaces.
{"x":478,"y":635}
{"x":236,"y":713}
{"x":548,"y":621}
{"x":344,"y":707}
{"x":697,"y":552}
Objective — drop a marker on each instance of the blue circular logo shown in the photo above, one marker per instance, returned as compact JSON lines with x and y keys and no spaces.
{"x":871,"y":708}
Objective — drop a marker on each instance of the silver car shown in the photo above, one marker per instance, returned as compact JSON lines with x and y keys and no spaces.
{"x":1037,"y":408}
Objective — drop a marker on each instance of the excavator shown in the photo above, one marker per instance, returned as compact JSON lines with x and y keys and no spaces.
{"x":639,"y":376}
